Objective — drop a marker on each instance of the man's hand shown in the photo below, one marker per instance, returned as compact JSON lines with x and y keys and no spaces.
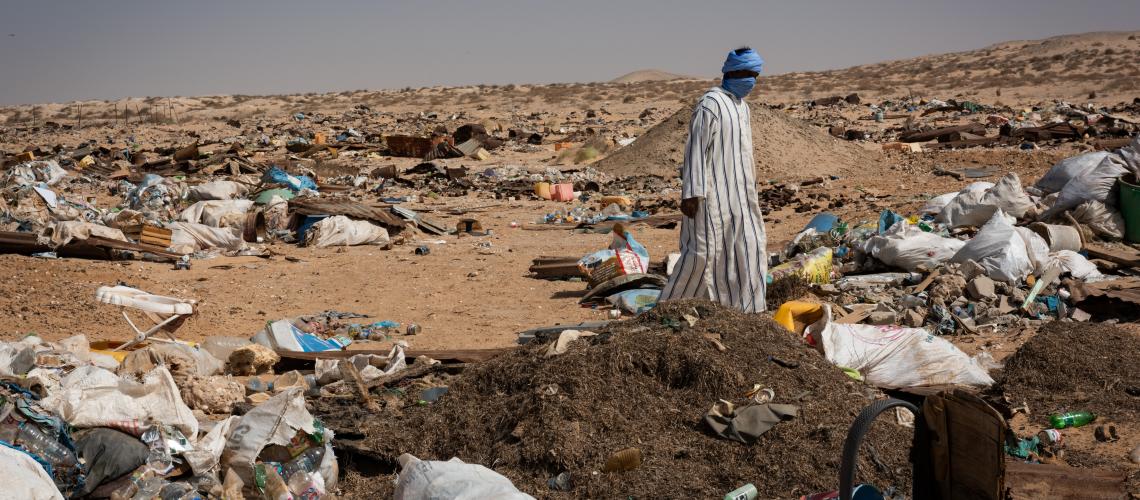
{"x":689,"y":206}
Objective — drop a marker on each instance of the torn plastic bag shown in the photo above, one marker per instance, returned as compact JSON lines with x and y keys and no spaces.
{"x":1068,"y":169}
{"x":217,"y":213}
{"x":296,"y":183}
{"x":94,"y":397}
{"x":452,"y":479}
{"x":32,"y":172}
{"x":342,"y":231}
{"x":892,"y":357}
{"x":202,"y":237}
{"x":635,"y":301}
{"x":24,"y":478}
{"x":974,"y":208}
{"x":276,"y":422}
{"x":217,"y":190}
{"x":207,"y":452}
{"x":907,"y":247}
{"x":999,"y":249}
{"x":370,"y":366}
{"x":282,"y":335}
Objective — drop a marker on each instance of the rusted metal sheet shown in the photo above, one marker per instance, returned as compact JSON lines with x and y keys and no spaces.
{"x":1124,"y":256}
{"x":944,"y":134}
{"x":1125,"y":289}
{"x":348,"y":208}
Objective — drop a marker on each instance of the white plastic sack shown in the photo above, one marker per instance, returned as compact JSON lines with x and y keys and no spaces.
{"x":892,"y":357}
{"x":1076,"y":265}
{"x":203,"y":237}
{"x":908,"y":247}
{"x":25,"y":478}
{"x":218,"y":190}
{"x":935,"y":205}
{"x":217,"y":213}
{"x":452,"y":479}
{"x":342,"y":231}
{"x":1095,"y":185}
{"x":999,"y":249}
{"x":276,"y":421}
{"x":1068,"y":169}
{"x":1036,"y":248}
{"x":974,"y":208}
{"x":94,"y":397}
{"x":207,"y":451}
{"x":1106,"y":222}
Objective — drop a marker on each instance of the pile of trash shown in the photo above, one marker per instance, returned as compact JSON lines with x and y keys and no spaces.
{"x":162,"y":421}
{"x":666,"y":405}
{"x":938,"y":124}
{"x":990,"y":256}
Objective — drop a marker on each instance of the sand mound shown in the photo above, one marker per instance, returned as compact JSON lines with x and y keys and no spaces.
{"x":647,"y":75}
{"x":1076,"y":366}
{"x":647,"y":383}
{"x":782,"y":147}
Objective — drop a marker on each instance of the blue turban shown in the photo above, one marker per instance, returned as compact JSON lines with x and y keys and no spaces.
{"x":749,"y":61}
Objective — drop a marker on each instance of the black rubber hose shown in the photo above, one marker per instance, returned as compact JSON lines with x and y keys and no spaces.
{"x":859,"y":429}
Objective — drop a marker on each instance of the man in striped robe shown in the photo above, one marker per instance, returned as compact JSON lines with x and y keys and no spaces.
{"x":723,"y":255}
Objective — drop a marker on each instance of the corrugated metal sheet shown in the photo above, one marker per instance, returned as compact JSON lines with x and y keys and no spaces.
{"x":349,"y":208}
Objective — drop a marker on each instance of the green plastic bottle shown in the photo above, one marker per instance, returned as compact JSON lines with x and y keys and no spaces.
{"x":1071,"y":419}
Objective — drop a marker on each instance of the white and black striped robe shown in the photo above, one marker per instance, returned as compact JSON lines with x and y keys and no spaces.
{"x":723,"y":255}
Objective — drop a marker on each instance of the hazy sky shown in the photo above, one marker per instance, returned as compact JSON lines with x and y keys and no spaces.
{"x":107,"y":49}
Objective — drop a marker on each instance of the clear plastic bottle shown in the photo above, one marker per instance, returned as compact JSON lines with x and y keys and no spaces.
{"x":308,"y":461}
{"x":35,"y":441}
{"x":307,"y":486}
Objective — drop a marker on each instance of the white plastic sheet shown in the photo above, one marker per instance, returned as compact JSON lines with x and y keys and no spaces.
{"x":454,"y":480}
{"x":999,"y":249}
{"x":342,"y":231}
{"x":891,"y":356}
{"x":370,"y":366}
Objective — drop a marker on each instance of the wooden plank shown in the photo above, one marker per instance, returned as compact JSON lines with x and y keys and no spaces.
{"x":351,"y":376}
{"x":1032,"y":481}
{"x":448,"y":355}
{"x":1124,"y":256}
